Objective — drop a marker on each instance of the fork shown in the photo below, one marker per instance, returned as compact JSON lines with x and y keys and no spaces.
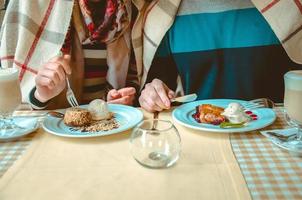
{"x":260,"y":103}
{"x":70,"y":95}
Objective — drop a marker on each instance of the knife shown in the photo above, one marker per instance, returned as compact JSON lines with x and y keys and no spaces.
{"x":185,"y":99}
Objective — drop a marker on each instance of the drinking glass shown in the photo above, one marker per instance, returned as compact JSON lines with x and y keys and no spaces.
{"x":155,"y":147}
{"x":10,"y":98}
{"x":293,"y":108}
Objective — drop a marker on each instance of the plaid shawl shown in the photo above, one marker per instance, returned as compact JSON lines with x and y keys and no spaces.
{"x":29,"y":39}
{"x":155,"y":18}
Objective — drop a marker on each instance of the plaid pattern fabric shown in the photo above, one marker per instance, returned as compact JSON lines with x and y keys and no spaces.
{"x":28,"y":39}
{"x":11,"y":151}
{"x":153,"y":21}
{"x":270,"y":172}
{"x":285,"y":18}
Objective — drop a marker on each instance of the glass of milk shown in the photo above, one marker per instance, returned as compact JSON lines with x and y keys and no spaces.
{"x":293,"y":105}
{"x":10,"y":98}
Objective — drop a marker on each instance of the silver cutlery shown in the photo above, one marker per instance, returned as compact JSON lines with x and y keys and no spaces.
{"x":182,"y":99}
{"x":260,"y":103}
{"x":50,"y":113}
{"x":281,"y":137}
{"x":185,"y":98}
{"x":155,"y":118}
{"x":70,"y":95}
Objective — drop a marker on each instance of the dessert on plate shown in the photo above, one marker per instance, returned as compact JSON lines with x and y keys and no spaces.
{"x":77,"y":117}
{"x":96,"y":117}
{"x":234,"y":115}
{"x":210,"y":114}
{"x":99,"y":110}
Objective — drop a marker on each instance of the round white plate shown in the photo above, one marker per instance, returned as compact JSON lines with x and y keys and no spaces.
{"x":27,"y":124}
{"x":126,"y":116}
{"x":183,"y":116}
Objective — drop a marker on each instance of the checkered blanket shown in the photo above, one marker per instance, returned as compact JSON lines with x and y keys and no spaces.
{"x":28,"y":39}
{"x":270,"y":172}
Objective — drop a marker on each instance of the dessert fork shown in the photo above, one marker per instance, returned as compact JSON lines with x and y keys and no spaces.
{"x":260,"y":103}
{"x":70,"y":95}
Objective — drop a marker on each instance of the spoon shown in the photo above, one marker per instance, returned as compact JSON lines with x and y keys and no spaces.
{"x":281,"y":137}
{"x":50,"y":113}
{"x":55,"y":114}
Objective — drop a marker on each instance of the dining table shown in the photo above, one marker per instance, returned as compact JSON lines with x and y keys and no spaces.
{"x":211,"y":166}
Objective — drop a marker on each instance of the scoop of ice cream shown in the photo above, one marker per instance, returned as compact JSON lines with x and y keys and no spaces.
{"x":235,"y":113}
{"x":99,"y":110}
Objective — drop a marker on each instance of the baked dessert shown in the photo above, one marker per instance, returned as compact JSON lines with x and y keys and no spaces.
{"x":234,"y":115}
{"x":77,"y":117}
{"x":210,"y":114}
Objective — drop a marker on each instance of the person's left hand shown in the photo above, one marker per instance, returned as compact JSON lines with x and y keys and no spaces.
{"x":124,"y":96}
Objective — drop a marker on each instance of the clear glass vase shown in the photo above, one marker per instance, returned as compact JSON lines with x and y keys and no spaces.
{"x":155,"y":143}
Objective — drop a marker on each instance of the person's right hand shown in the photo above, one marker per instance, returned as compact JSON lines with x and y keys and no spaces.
{"x":156,"y":96}
{"x":51,"y":78}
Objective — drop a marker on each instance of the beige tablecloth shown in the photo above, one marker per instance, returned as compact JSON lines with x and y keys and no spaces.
{"x":102,"y":168}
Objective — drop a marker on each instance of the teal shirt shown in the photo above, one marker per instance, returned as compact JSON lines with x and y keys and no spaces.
{"x":228,"y":54}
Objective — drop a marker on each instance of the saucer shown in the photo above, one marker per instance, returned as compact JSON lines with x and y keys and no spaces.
{"x":28,"y":125}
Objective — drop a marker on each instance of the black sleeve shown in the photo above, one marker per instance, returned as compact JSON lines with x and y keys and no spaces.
{"x":36,"y":104}
{"x":163,"y":66}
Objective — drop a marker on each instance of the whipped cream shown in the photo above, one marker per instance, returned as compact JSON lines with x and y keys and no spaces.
{"x":235,"y":113}
{"x":99,"y":110}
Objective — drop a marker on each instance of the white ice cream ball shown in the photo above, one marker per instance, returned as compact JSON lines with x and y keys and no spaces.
{"x":99,"y":109}
{"x":233,"y":108}
{"x":235,"y":113}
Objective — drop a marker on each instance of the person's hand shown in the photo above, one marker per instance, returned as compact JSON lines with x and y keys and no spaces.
{"x":124,"y":96}
{"x":156,"y":96}
{"x":51,"y":78}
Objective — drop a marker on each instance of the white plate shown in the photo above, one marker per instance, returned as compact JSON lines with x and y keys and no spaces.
{"x":183,"y":116}
{"x":28,"y":125}
{"x":126,"y":116}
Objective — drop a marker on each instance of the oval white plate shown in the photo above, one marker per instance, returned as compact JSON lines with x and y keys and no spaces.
{"x":126,"y":116}
{"x":183,"y":116}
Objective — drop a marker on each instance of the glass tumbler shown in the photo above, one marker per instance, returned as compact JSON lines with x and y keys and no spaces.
{"x":10,"y":98}
{"x":293,"y":108}
{"x":155,"y":143}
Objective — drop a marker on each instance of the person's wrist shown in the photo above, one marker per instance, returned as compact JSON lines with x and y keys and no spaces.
{"x":40,"y":98}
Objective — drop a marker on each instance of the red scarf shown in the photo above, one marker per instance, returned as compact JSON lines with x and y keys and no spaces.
{"x":105,"y":19}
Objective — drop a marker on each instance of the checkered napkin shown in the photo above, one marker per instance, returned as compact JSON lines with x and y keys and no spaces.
{"x":11,"y":151}
{"x":270,"y":172}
